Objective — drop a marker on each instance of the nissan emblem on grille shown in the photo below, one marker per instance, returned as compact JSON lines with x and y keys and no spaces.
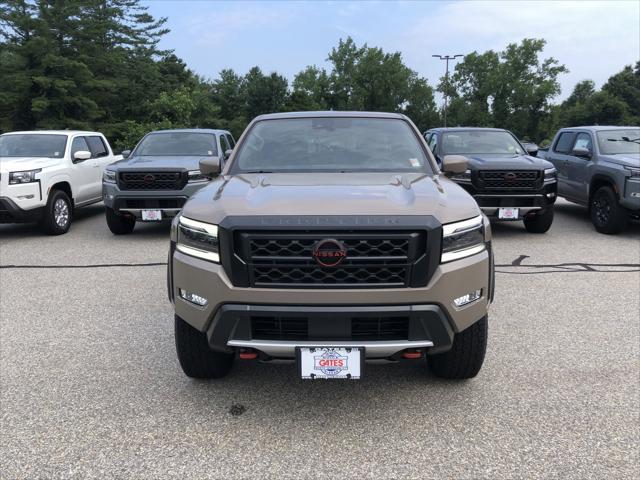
{"x":149,"y":178}
{"x":329,"y":252}
{"x":510,"y":176}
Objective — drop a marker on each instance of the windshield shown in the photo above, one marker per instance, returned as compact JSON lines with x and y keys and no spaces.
{"x":178,"y":144}
{"x":480,"y":143}
{"x":331,"y":144}
{"x":32,"y":145}
{"x":613,"y":142}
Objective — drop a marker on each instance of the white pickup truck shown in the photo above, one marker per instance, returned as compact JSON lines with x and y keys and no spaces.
{"x":46,"y":175}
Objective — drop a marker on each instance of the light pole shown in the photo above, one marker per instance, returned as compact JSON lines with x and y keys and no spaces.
{"x":446,"y":81}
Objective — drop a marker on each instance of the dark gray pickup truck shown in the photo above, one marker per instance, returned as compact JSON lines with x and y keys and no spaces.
{"x":599,"y":167}
{"x":506,"y":180}
{"x":153,"y":182}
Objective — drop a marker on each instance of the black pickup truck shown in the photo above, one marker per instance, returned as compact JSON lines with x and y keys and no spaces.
{"x":504,"y":178}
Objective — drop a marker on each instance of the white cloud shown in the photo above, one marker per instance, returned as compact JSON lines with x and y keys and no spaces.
{"x":219,"y":27}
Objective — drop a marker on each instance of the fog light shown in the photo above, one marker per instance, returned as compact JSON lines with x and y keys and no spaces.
{"x":468,"y":298}
{"x":551,"y":195}
{"x":193,"y":298}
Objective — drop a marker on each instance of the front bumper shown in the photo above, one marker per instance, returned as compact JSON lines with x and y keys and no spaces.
{"x":132,"y":202}
{"x":10,"y":212}
{"x":427,"y":327}
{"x":490,"y":201}
{"x":630,"y":198}
{"x":433,"y":318}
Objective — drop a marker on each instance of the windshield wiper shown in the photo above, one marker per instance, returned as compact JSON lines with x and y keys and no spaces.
{"x":258,"y":171}
{"x":624,"y":139}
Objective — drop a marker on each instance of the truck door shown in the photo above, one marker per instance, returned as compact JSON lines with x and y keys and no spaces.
{"x":558,"y":155}
{"x":100,"y":158}
{"x":578,"y":168}
{"x":82,"y":171}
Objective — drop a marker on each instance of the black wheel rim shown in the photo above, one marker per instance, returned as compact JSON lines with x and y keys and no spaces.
{"x":602,"y":210}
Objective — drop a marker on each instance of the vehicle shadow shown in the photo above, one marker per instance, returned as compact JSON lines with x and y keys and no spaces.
{"x":580,"y":214}
{"x":21,"y":230}
{"x":274,"y":390}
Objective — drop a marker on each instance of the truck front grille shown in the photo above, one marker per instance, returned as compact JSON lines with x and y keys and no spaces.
{"x":508,"y":180}
{"x":373,"y":259}
{"x":152,"y":181}
{"x":360,"y":328}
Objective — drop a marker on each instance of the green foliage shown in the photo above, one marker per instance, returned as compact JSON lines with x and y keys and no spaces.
{"x":617,"y":103}
{"x":509,"y":89}
{"x":95,"y":64}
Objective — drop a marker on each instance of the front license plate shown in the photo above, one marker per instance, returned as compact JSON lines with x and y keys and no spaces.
{"x":330,"y":362}
{"x":151,"y":215}
{"x":508,"y":213}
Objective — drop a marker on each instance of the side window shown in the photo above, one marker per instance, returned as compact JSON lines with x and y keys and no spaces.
{"x":224,"y":144}
{"x":79,"y":144}
{"x":583,"y":140}
{"x":433,"y":143}
{"x":232,"y":142}
{"x":565,"y":142}
{"x":98,"y":148}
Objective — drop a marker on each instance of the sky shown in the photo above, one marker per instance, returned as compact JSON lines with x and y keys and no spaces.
{"x":594,"y":39}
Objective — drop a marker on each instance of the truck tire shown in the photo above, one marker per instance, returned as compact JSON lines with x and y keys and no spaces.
{"x":540,"y":222}
{"x":119,"y":224}
{"x":607,"y":215}
{"x":196,"y":358}
{"x":466,"y":356}
{"x":57,"y":214}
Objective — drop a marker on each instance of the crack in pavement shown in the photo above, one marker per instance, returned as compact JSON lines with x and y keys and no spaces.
{"x":516,"y":267}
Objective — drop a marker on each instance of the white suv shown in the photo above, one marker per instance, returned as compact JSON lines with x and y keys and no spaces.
{"x":45,"y":175}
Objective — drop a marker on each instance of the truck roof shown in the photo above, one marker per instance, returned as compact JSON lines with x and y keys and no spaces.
{"x":460,"y":129}
{"x":599,"y":128}
{"x":190,"y":130}
{"x":53,"y":132}
{"x":330,"y":113}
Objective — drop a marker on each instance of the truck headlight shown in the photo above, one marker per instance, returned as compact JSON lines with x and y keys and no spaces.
{"x":550,"y":174}
{"x":635,"y":172}
{"x":462,"y":239}
{"x":196,"y":176}
{"x":109,"y":176}
{"x":198,"y":239}
{"x":26,"y":176}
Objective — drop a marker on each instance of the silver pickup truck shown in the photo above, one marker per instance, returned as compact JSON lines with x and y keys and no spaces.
{"x":599,"y":167}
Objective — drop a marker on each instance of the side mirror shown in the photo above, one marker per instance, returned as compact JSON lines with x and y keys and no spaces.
{"x":454,"y":164}
{"x":126,"y":153}
{"x":531,"y":150}
{"x":210,"y":167}
{"x":82,"y":155}
{"x":227,"y":153}
{"x":581,"y":152}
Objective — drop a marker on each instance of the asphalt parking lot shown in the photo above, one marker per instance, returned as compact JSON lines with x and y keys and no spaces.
{"x":91,"y":387}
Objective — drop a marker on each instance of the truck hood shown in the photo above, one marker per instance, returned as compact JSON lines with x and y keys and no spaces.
{"x":625,"y":159}
{"x":145,"y":162}
{"x":328,"y":194}
{"x":506,"y":162}
{"x":17,"y":164}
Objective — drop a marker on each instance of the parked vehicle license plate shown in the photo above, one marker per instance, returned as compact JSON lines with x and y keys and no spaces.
{"x":508,"y":213}
{"x":151,"y":215}
{"x":330,"y":362}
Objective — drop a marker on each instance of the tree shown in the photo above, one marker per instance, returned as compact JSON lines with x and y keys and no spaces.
{"x":311,"y":90}
{"x":264,"y":93}
{"x":625,"y":86}
{"x":508,"y":89}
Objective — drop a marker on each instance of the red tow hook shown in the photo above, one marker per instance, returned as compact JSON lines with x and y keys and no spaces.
{"x":412,"y":354}
{"x":248,"y":354}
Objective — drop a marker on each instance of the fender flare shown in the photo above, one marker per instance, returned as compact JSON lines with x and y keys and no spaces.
{"x":602,"y":177}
